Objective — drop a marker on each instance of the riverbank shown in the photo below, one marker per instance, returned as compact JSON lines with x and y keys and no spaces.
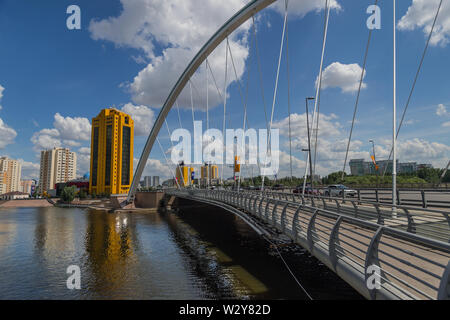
{"x":32,"y":203}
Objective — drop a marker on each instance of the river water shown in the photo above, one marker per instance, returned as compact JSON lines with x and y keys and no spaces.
{"x":198,"y":253}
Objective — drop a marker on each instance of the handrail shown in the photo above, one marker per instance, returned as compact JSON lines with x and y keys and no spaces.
{"x":411,"y":266}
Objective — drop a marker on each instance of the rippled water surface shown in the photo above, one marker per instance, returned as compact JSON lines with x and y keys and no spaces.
{"x":200,"y":253}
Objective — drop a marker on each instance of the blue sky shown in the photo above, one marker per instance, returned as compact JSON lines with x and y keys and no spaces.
{"x":129,"y":53}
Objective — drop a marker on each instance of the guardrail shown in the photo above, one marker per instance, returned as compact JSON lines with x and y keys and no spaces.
{"x":438,"y":198}
{"x":408,"y":265}
{"x":427,"y":222}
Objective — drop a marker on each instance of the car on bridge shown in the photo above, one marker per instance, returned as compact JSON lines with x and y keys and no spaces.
{"x":278,"y":187}
{"x":339,"y":190}
{"x":308,"y":190}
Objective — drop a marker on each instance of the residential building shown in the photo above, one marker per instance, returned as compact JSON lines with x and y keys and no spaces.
{"x":14,"y":195}
{"x":147,"y":182}
{"x":10,"y":173}
{"x":57,"y":165}
{"x":26,"y":186}
{"x":359,"y":167}
{"x":111,"y":152}
{"x":155,"y":181}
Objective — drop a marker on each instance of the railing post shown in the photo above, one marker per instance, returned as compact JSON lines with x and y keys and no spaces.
{"x":295,"y":221}
{"x":266,"y":210}
{"x":372,"y":258}
{"x":274,"y":212}
{"x":380,"y":215}
{"x":411,"y":223}
{"x":324,"y":203}
{"x":376,"y":196}
{"x":332,"y":242}
{"x":444,"y":287}
{"x":359,"y":196}
{"x":260,"y":207}
{"x":283,"y":218}
{"x":424,"y":199}
{"x":356,"y":209}
{"x":309,"y":232}
{"x":398,"y":197}
{"x":338,"y":206}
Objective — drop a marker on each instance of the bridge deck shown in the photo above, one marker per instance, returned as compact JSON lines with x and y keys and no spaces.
{"x":411,"y":266}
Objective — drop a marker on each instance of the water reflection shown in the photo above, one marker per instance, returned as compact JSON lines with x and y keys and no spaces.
{"x":196,"y":254}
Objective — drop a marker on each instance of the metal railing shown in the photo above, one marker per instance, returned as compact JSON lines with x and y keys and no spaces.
{"x":438,"y":198}
{"x":427,"y":222}
{"x":408,"y":265}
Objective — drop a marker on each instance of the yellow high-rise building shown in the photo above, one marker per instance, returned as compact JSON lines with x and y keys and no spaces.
{"x":183,"y":175}
{"x":112,"y":140}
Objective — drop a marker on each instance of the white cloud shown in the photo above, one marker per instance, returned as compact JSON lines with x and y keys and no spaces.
{"x":328,"y":127}
{"x":446,"y":124}
{"x":441,"y":110}
{"x":180,"y":29}
{"x":156,"y":167}
{"x":421,"y":14}
{"x":1,"y":94}
{"x":344,"y":76}
{"x":7,"y":134}
{"x":142,"y":116}
{"x":83,"y":160}
{"x":72,"y":129}
{"x":30,"y":170}
{"x":67,"y":131}
{"x":46,"y":139}
{"x":301,"y":8}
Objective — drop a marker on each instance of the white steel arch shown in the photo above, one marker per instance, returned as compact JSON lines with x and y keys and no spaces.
{"x":232,"y":24}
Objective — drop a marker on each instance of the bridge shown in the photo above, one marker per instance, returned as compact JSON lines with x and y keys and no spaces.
{"x":405,"y":246}
{"x":410,"y":248}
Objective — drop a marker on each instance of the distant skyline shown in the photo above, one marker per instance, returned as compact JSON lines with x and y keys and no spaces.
{"x":128,"y":55}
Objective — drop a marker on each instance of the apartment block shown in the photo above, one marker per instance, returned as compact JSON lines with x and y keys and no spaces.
{"x":57,"y":166}
{"x":10,"y":173}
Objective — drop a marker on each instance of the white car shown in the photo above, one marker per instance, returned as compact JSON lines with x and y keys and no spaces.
{"x":338,"y":190}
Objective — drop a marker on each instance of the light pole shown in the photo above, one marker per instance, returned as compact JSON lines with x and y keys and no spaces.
{"x":374,"y":160}
{"x":309,"y":149}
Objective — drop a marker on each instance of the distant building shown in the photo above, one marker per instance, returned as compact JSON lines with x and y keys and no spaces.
{"x":111,"y":152}
{"x":183,"y":175}
{"x":155,"y":181}
{"x":26,"y":186}
{"x":10,"y":172}
{"x":359,"y":167}
{"x":147,"y":183}
{"x":14,"y":195}
{"x":57,"y":165}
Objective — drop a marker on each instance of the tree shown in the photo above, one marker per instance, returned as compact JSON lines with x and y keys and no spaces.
{"x":68,"y":194}
{"x":82,"y":194}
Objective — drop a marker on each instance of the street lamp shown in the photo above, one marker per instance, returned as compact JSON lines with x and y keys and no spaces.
{"x":309,"y":148}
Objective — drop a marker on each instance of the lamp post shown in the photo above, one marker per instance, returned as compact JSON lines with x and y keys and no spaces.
{"x":309,"y":149}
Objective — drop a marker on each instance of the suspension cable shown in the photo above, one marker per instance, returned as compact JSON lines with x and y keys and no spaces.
{"x":288,"y":268}
{"x":171,"y":142}
{"x":178,"y":110}
{"x":207,"y":94}
{"x":242,"y":100}
{"x":276,"y":88}
{"x":224,"y":104}
{"x":319,"y":85}
{"x":289,"y":97}
{"x":357,"y":97}
{"x":168,"y":165}
{"x":260,"y":74}
{"x":415,"y":81}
